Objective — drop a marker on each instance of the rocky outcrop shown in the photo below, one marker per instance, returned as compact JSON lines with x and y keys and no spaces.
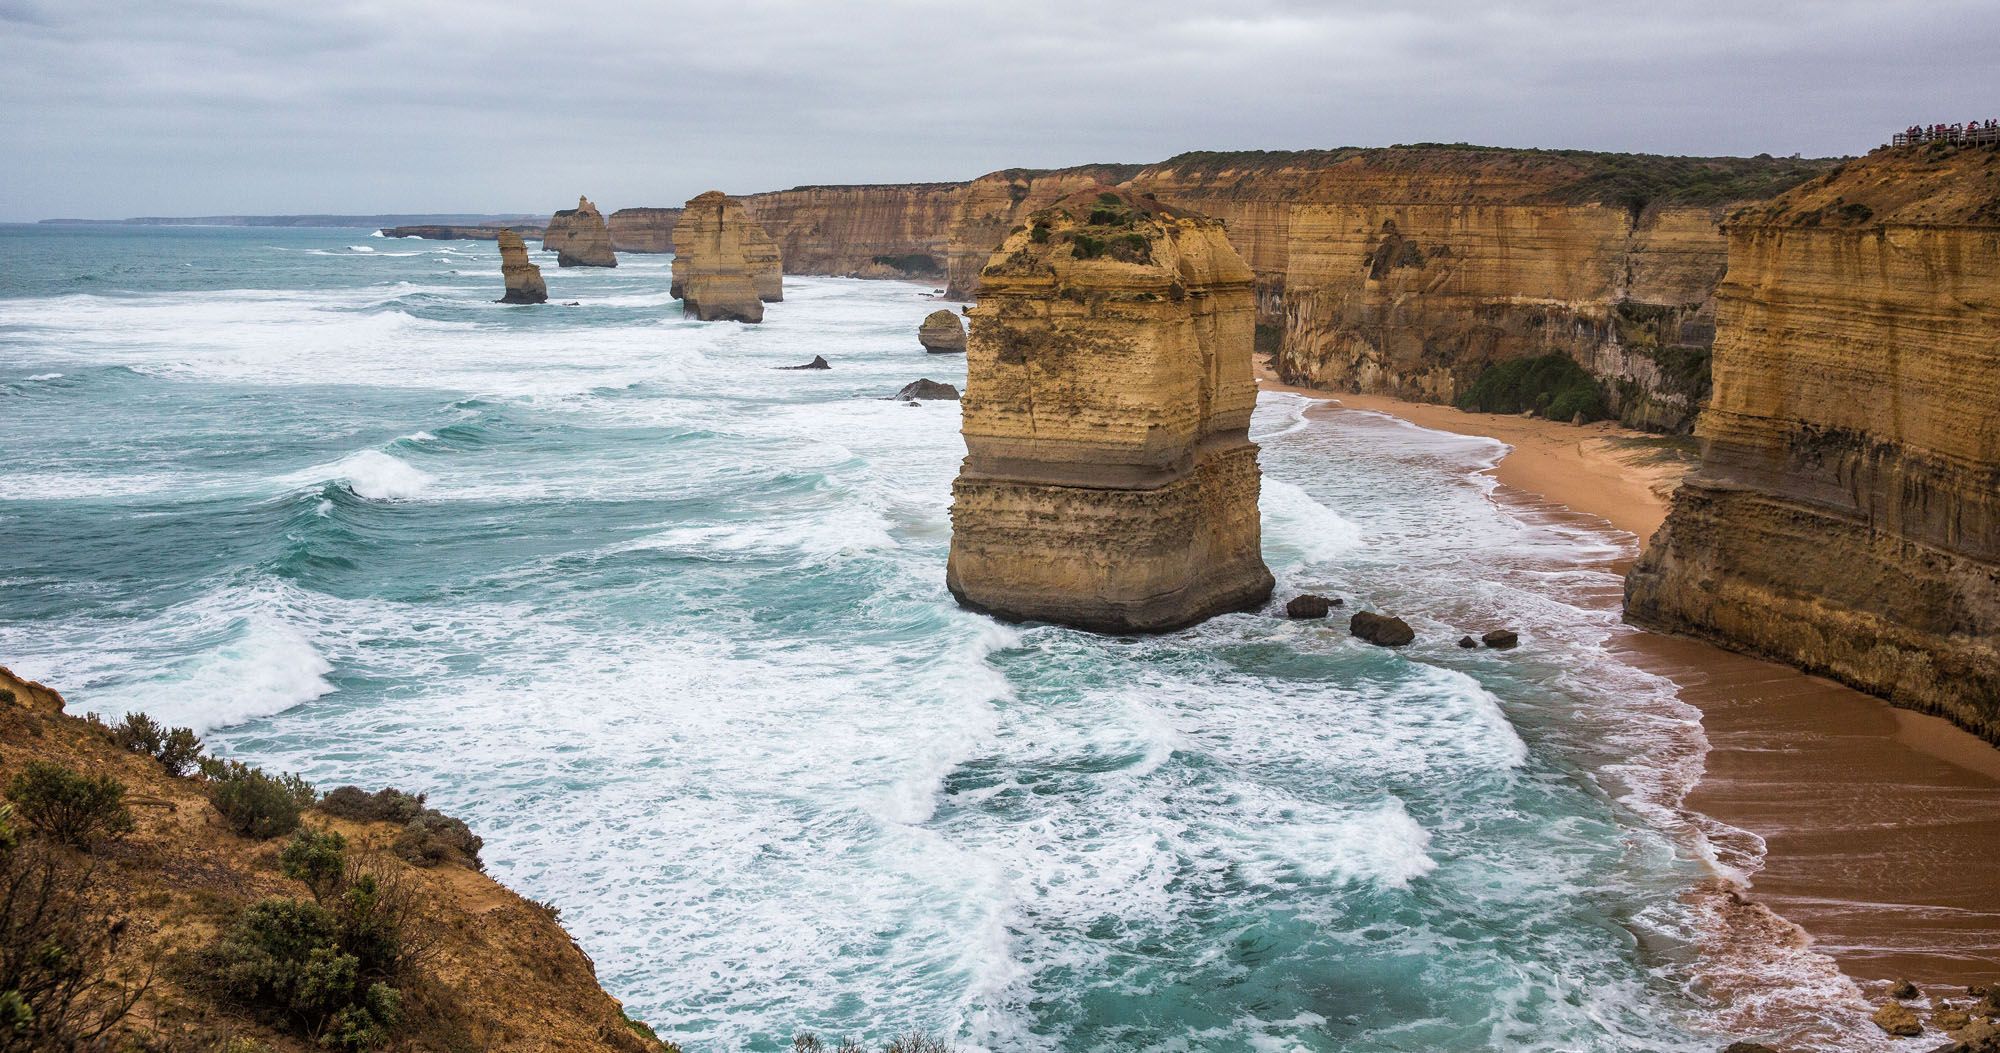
{"x":1382,"y":630}
{"x":1109,"y":481}
{"x":928,"y":390}
{"x":713,"y":274}
{"x":497,"y":972}
{"x":579,"y":237}
{"x":647,"y":230}
{"x":447,"y":232}
{"x":942,"y":333}
{"x":1845,"y":516}
{"x":524,"y":279}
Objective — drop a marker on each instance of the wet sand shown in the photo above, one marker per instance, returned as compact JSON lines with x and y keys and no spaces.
{"x":1879,"y":827}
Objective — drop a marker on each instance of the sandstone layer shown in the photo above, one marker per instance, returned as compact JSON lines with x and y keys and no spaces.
{"x":1109,"y":481}
{"x":1846,"y":514}
{"x":643,"y":229}
{"x":942,"y":333}
{"x":714,"y":275}
{"x":524,"y":279}
{"x":497,"y":972}
{"x":579,"y":237}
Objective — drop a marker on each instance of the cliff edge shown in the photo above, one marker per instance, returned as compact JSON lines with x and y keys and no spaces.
{"x":1845,"y":517}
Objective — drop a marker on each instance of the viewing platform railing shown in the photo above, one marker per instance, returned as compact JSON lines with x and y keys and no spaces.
{"x":1962,"y":136}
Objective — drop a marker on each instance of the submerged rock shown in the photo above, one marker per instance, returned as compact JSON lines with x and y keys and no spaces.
{"x":942,"y":333}
{"x":1310,"y":605}
{"x":579,"y":237}
{"x":712,"y":273}
{"x":1109,"y":481}
{"x":1467,"y":641}
{"x":928,"y":389}
{"x":1501,"y":638}
{"x":818,"y":362}
{"x":1381,"y":630}
{"x":524,"y":279}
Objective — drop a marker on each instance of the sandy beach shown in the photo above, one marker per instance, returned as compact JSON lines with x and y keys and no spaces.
{"x":1877,"y":824}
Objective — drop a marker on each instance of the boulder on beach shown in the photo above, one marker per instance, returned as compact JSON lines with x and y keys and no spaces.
{"x":1501,"y":638}
{"x":1310,"y":605}
{"x":524,"y":279}
{"x":928,"y":389}
{"x":818,"y":362}
{"x":1381,"y":629}
{"x":942,"y":333}
{"x":1896,"y":1019}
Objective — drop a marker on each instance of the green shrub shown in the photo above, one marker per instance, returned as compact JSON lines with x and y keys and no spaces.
{"x":178,"y":750}
{"x":68,"y":806}
{"x":383,"y":806}
{"x":435,"y":837}
{"x":1085,"y":247}
{"x":316,"y":857}
{"x":1039,"y":233}
{"x":1551,"y":385}
{"x":57,"y":940}
{"x":256,"y":804}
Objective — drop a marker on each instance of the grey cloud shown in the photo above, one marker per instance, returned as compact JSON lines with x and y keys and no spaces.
{"x":188,"y":106}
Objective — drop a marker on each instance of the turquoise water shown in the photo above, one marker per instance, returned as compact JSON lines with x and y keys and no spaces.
{"x":668,"y":627}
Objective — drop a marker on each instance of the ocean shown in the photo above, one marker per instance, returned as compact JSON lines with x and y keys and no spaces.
{"x":668,"y":627}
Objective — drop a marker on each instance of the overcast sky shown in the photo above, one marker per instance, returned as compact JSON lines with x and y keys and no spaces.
{"x":114,"y":108}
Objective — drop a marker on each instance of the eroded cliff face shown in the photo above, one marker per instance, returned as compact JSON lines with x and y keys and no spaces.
{"x":643,"y":229}
{"x":887,"y":231}
{"x":1109,"y":481}
{"x":714,"y":275}
{"x":579,"y":237}
{"x":524,"y":279}
{"x":1846,"y":514}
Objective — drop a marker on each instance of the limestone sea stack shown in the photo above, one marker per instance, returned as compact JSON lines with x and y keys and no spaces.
{"x":767,"y":265}
{"x":524,"y":279}
{"x":942,"y":333}
{"x":579,"y":237}
{"x":713,"y":273}
{"x":1845,"y":517}
{"x":1109,"y":481}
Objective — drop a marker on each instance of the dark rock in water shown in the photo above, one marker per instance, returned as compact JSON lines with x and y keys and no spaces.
{"x":928,"y":389}
{"x":818,"y":362}
{"x":1903,"y":989}
{"x":1380,"y":629}
{"x":1747,"y":1047}
{"x":1310,"y":606}
{"x":1467,"y":641}
{"x":1501,"y":638}
{"x":572,"y":303}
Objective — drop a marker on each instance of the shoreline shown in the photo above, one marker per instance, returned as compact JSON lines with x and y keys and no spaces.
{"x":1885,"y":867}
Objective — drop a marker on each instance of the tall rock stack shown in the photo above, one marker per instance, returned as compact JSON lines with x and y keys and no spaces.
{"x":713,"y":273}
{"x":1846,"y":514}
{"x":579,"y":237}
{"x":524,"y":279}
{"x":1109,"y":481}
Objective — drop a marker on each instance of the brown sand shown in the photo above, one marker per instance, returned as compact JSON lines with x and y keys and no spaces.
{"x":1881,"y":826}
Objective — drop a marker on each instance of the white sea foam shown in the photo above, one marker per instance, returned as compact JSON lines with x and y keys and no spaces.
{"x":44,"y":376}
{"x":370,"y":474}
{"x":1299,"y":531}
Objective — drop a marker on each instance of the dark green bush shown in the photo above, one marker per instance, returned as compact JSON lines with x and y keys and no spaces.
{"x":1039,"y":233}
{"x":318,"y":858}
{"x":383,"y":806}
{"x":254,"y":803}
{"x":1086,"y":247}
{"x":178,"y":750}
{"x":1551,"y":385}
{"x":68,"y":806}
{"x":435,"y":837}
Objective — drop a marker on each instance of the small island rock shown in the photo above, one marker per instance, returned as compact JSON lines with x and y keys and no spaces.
{"x":1381,"y":629}
{"x":1501,"y":638}
{"x":1310,"y":605}
{"x":942,"y":333}
{"x":928,"y":389}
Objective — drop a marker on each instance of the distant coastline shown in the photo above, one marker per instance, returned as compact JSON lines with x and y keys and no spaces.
{"x":387,"y":219}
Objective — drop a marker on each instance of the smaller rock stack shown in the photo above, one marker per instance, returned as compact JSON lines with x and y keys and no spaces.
{"x":942,"y":333}
{"x":714,"y":274}
{"x":524,"y":279}
{"x":579,"y":237}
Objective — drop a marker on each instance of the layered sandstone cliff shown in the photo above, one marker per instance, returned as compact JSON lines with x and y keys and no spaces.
{"x":579,"y":237}
{"x":1846,"y":514}
{"x":885,"y":231}
{"x":1109,"y":481}
{"x":643,"y":229}
{"x":714,"y":275}
{"x":524,"y":279}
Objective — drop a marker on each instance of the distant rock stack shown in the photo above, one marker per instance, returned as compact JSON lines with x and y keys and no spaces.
{"x":1109,"y":481}
{"x":713,"y":274}
{"x":942,"y":333}
{"x":524,"y":279}
{"x":579,"y":237}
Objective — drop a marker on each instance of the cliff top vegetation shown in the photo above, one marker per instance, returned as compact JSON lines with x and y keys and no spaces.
{"x":1935,"y":184}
